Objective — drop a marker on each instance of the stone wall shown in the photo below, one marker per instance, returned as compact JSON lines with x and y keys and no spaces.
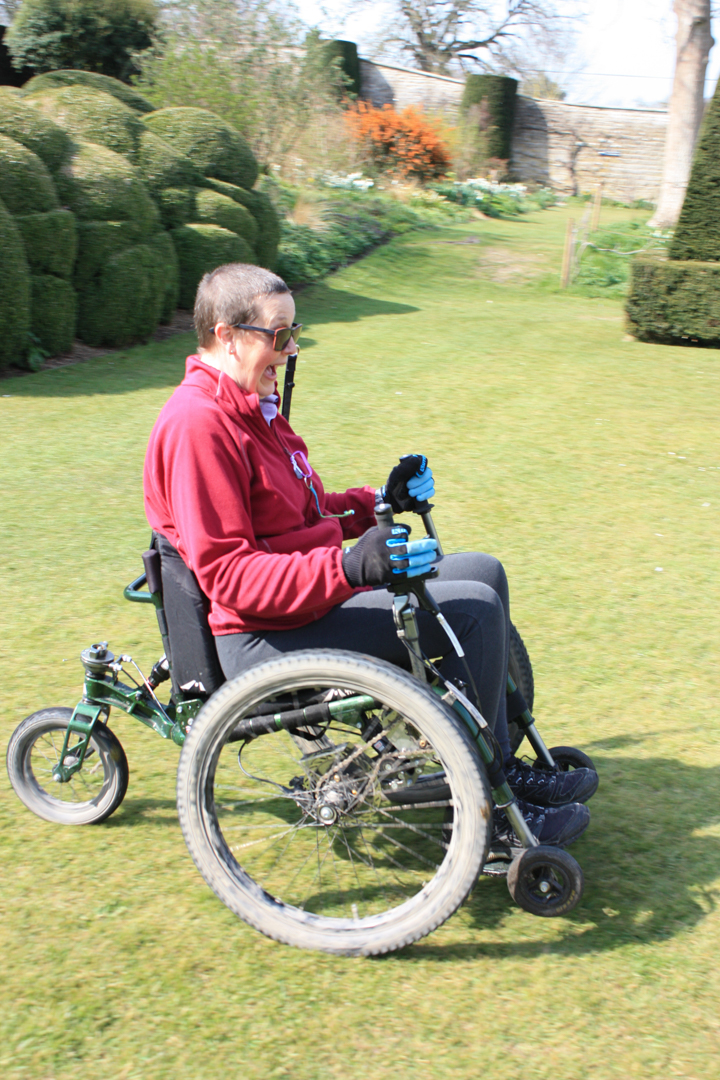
{"x":386,"y":84}
{"x":571,"y":148}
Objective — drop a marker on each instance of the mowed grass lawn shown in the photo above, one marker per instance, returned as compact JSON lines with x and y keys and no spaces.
{"x":590,"y":464}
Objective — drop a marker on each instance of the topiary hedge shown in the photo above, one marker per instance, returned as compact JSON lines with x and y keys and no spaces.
{"x":91,"y":115}
{"x":19,"y":121}
{"x":69,"y":77}
{"x":14,"y":291}
{"x":164,"y":249}
{"x":262,"y":209}
{"x":697,"y":235}
{"x":212,"y":145}
{"x":50,"y":241}
{"x":98,"y":241}
{"x":100,"y":185}
{"x":25,"y":183}
{"x":125,"y":301}
{"x":162,"y":165}
{"x":678,"y":300}
{"x":498,"y":95}
{"x":346,"y":55}
{"x":53,"y":313}
{"x":217,"y":209}
{"x":200,"y":248}
{"x":674,"y":301}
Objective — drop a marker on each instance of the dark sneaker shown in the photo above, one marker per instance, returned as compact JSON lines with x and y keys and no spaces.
{"x":543,"y":787}
{"x":558,"y":827}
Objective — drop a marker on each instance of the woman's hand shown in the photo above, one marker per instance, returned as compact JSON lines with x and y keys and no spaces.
{"x":382,"y":555}
{"x":409,"y":484}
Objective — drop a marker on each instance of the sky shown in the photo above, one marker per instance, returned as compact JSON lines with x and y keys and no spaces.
{"x":625,"y":54}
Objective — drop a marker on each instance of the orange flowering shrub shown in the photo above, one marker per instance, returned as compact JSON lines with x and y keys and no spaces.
{"x":408,"y":142}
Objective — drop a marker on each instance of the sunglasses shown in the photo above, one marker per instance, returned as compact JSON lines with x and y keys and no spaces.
{"x":280,"y":337}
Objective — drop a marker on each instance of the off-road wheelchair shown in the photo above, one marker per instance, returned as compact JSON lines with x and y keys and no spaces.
{"x":330,"y":800}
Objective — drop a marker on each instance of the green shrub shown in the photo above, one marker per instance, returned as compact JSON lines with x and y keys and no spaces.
{"x":673,"y":301}
{"x":697,"y":235}
{"x":71,"y":77}
{"x":98,"y":242}
{"x":53,"y":313}
{"x":26,"y":186}
{"x":19,"y":121}
{"x":176,"y":205}
{"x":124,"y":302}
{"x":94,"y":35}
{"x":163,"y":247}
{"x":492,"y":98}
{"x":92,"y":115}
{"x":14,"y":292}
{"x":100,"y":185}
{"x":217,"y":209}
{"x":50,"y":241}
{"x":162,"y":165}
{"x":212,"y":145}
{"x":262,"y":209}
{"x":200,"y":248}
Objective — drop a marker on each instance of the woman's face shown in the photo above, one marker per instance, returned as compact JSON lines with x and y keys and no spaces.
{"x":247,"y":356}
{"x":256,"y":364}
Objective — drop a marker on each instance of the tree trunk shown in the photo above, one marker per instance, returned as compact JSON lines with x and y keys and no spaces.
{"x":694,"y":42}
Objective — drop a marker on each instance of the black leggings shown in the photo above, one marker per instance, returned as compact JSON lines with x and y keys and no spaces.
{"x":471,"y":590}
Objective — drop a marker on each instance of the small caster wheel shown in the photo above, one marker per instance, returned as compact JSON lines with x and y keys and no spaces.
{"x":545,"y":881}
{"x":567,"y":758}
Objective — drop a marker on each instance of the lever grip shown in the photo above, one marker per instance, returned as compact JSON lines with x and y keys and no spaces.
{"x":151,"y":562}
{"x":384,"y":515}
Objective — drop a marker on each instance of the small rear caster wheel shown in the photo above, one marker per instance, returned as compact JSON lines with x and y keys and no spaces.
{"x":567,"y":758}
{"x":545,"y":881}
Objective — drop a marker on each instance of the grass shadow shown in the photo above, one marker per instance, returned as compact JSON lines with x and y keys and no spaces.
{"x":651,"y":860}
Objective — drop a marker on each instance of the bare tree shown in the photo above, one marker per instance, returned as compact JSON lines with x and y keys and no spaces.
{"x":441,"y":36}
{"x":694,"y":42}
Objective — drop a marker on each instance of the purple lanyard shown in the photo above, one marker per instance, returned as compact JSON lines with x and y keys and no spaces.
{"x":304,"y":472}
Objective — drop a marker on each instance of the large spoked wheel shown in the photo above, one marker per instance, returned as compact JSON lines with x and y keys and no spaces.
{"x":332,"y":837}
{"x":545,"y":881}
{"x":521,"y":672}
{"x":91,"y":794}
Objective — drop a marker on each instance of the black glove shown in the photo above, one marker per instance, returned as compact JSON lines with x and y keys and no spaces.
{"x":368,"y":561}
{"x":414,"y":472}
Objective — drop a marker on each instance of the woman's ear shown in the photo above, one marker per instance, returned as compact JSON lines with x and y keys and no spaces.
{"x":224,"y":334}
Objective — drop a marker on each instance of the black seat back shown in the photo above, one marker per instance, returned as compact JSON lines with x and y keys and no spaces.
{"x":193,"y":656}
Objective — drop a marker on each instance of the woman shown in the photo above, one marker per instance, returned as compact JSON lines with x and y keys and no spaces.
{"x":228,"y":483}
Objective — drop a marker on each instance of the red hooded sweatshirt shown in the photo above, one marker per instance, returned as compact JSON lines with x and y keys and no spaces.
{"x":219,"y":484}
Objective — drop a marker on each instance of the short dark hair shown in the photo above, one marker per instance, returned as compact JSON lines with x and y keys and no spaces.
{"x":231,"y":294}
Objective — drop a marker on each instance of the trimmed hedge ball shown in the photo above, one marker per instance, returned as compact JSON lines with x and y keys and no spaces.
{"x":92,"y":115}
{"x":50,"y":241}
{"x":262,"y":209}
{"x":100,"y":185}
{"x":217,"y":209}
{"x":26,"y":186}
{"x":69,"y":77}
{"x":176,"y":205}
{"x":200,"y":248}
{"x":53,"y":313}
{"x":124,"y":303}
{"x":164,"y":248}
{"x":162,"y":165}
{"x":98,"y":242}
{"x":24,"y":124}
{"x":14,"y":292}
{"x":215,"y":147}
